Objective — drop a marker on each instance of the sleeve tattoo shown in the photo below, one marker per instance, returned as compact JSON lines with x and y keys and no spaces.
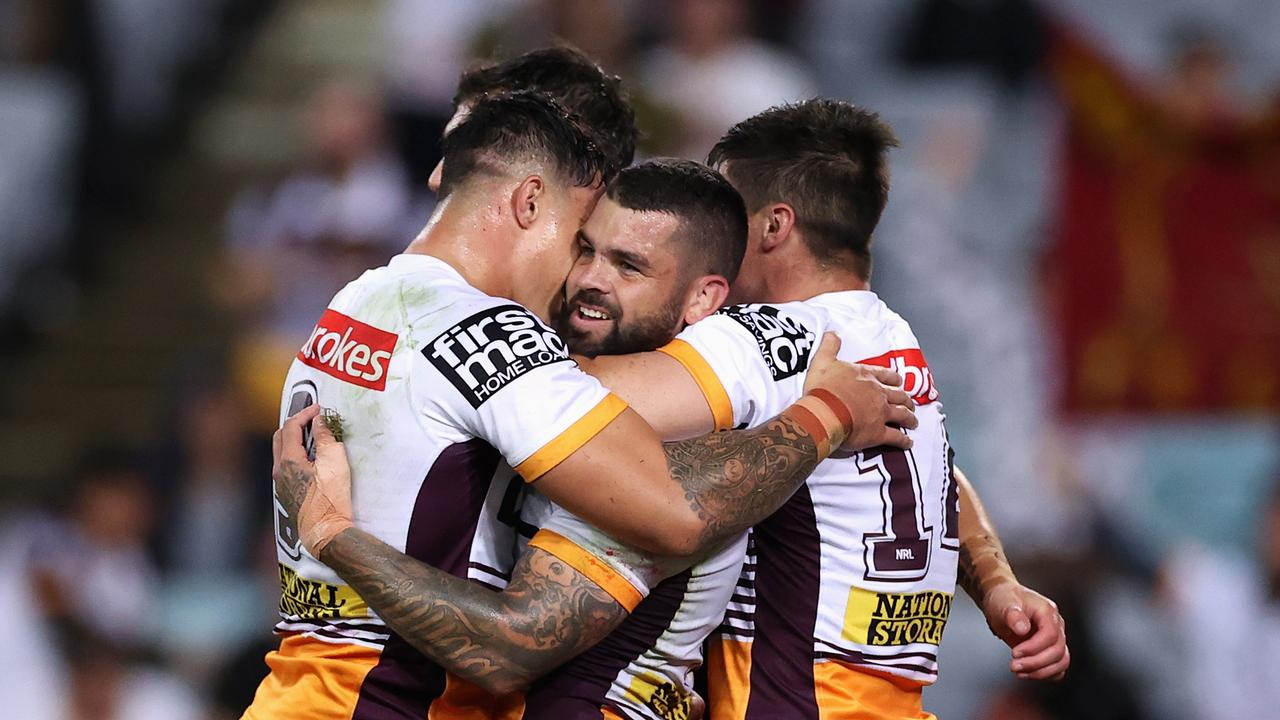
{"x":500,"y":641}
{"x":733,"y":480}
{"x":549,"y":612}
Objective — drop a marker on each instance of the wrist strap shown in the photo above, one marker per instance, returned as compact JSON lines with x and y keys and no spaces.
{"x":805,"y":418}
{"x":836,"y":406}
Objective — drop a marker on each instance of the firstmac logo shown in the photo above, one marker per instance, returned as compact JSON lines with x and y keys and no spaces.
{"x":349,"y":350}
{"x":487,"y":351}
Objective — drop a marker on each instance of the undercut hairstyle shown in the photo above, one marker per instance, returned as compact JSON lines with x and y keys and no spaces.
{"x":826,"y":159}
{"x":712,"y":237}
{"x":505,"y":130}
{"x":575,"y":81}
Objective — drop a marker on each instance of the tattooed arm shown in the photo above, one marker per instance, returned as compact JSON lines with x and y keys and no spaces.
{"x":500,"y":641}
{"x":549,"y":612}
{"x":1028,"y":622}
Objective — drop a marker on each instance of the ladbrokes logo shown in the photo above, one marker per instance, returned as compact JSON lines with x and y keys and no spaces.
{"x":487,"y":351}
{"x":917,"y":381}
{"x":891,"y":619}
{"x":784,"y":343}
{"x":661,"y":696}
{"x":349,"y":350}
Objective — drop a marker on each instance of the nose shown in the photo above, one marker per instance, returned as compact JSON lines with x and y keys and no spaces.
{"x":589,"y":273}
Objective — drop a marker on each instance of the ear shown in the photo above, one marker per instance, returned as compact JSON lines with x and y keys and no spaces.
{"x":705,"y":297}
{"x":779,"y":220}
{"x":526,"y":201}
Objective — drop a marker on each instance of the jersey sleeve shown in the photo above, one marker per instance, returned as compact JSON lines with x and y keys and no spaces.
{"x":509,"y":380}
{"x":739,"y":356}
{"x":626,"y":573}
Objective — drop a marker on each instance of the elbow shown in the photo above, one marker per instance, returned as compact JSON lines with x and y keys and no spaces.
{"x":503,"y":683}
{"x":683,"y":535}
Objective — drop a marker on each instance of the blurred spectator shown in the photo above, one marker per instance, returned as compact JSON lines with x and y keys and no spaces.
{"x":1226,"y":607}
{"x":714,"y":74}
{"x":216,"y":483}
{"x":293,"y":244}
{"x":90,"y":567}
{"x":426,"y":46}
{"x":1002,"y":37}
{"x":1200,"y":88}
{"x":108,"y":683}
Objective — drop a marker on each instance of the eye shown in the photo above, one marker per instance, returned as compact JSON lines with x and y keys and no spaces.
{"x":630,"y":269}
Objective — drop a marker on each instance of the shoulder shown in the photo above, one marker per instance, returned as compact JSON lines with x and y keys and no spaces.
{"x":784,"y":334}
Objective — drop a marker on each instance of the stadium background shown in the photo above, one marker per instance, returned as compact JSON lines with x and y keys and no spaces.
{"x":1084,"y":229}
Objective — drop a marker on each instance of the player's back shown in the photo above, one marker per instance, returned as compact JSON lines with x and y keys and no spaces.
{"x":846,"y":589}
{"x":427,"y":374}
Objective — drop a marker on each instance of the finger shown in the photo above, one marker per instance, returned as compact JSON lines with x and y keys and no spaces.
{"x":1055,"y":671}
{"x":276,"y":444}
{"x":885,"y":375}
{"x":894,"y":437}
{"x":902,"y":417}
{"x":291,"y":431}
{"x":829,"y":347}
{"x":899,"y":398}
{"x":1016,"y":620}
{"x":1039,"y":661}
{"x":1048,"y":631}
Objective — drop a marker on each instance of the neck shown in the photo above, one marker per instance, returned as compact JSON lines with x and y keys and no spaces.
{"x":453,"y":235}
{"x":803,"y":280}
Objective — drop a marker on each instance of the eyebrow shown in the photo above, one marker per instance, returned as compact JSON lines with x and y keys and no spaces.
{"x":639,"y":261}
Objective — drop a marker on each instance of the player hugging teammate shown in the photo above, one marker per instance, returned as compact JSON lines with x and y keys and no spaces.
{"x":504,"y":532}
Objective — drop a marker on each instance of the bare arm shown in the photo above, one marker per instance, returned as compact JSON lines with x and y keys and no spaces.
{"x":683,"y":497}
{"x":1028,"y":622}
{"x":549,"y":612}
{"x":659,"y":388}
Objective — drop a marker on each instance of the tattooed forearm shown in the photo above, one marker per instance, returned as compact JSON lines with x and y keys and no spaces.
{"x":734,"y":480}
{"x":982,"y":564}
{"x":501,"y":641}
{"x":981,"y":567}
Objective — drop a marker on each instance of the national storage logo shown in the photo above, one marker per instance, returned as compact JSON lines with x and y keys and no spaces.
{"x":487,"y":351}
{"x":305,"y":599}
{"x":894,"y":619}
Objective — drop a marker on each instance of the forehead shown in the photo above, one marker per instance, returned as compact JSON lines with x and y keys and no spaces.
{"x":612,"y":226}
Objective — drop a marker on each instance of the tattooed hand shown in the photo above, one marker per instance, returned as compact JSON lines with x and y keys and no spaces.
{"x":315,"y":495}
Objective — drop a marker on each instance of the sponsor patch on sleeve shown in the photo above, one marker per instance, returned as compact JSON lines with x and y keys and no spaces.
{"x":492,"y":348}
{"x":785,"y":343}
{"x":349,"y":350}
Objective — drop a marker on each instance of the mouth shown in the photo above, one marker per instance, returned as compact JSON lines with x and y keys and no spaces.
{"x":590,"y":319}
{"x":586,"y":312}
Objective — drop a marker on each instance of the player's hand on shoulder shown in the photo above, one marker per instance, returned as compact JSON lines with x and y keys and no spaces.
{"x":878,"y":406}
{"x":1030,"y":624}
{"x":314,"y":493}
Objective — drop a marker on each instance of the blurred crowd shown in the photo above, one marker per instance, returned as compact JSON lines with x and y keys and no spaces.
{"x":147,"y":589}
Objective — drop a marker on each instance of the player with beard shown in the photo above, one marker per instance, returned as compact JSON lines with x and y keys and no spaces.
{"x":660,"y":641}
{"x":438,"y":376}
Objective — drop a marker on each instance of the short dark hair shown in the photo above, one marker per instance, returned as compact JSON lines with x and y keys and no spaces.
{"x":713,"y":217}
{"x":826,"y":159}
{"x":517,"y":127}
{"x":577,"y":82}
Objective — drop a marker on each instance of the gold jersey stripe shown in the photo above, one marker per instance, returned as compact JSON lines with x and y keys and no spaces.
{"x":712,"y":389}
{"x":609,"y":580}
{"x":568,"y":442}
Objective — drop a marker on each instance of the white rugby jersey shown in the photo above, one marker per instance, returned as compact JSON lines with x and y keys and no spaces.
{"x":437,"y":384}
{"x":858,"y":568}
{"x":644,"y":668}
{"x":857,"y":571}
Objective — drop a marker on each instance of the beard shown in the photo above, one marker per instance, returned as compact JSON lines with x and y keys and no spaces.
{"x":641,"y":334}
